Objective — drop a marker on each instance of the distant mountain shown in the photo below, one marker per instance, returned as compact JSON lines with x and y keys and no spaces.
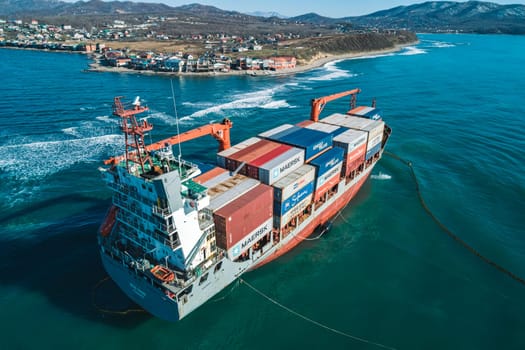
{"x":314,"y":18}
{"x":470,"y":16}
{"x":433,"y":16}
{"x":266,"y":14}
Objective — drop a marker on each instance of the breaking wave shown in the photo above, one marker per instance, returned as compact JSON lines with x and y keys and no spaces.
{"x":411,"y":50}
{"x":37,"y":160}
{"x":381,"y":176}
{"x":257,"y":99}
{"x":331,"y":72}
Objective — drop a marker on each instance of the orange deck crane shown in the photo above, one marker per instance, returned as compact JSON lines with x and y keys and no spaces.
{"x":318,"y":104}
{"x":220,"y":131}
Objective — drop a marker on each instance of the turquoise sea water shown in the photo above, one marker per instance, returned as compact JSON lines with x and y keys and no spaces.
{"x":385,"y":272}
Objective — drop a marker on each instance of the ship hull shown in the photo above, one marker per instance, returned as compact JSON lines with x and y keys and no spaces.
{"x":149,"y":295}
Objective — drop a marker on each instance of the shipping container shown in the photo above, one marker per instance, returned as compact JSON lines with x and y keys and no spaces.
{"x":276,"y":130}
{"x":312,"y":141}
{"x":281,"y":166}
{"x":334,"y":130}
{"x":350,"y":140}
{"x":212,"y":177}
{"x":366,"y":112}
{"x":353,"y":143}
{"x":244,"y":220}
{"x":281,"y":221}
{"x":347,"y":121}
{"x":293,"y":182}
{"x":370,"y":152}
{"x":327,"y":161}
{"x":252,"y":168}
{"x":327,"y":181}
{"x":221,"y":156}
{"x":281,"y":208}
{"x":226,"y":191}
{"x":354,"y":159}
{"x":247,"y":154}
{"x":244,"y":244}
{"x":375,"y":133}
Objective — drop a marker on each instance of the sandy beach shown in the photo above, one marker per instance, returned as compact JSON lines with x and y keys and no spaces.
{"x":318,"y":61}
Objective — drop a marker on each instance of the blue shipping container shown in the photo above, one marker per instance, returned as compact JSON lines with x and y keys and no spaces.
{"x":312,"y":141}
{"x":327,"y":160}
{"x":370,"y":152}
{"x":285,"y":132}
{"x":293,"y":200}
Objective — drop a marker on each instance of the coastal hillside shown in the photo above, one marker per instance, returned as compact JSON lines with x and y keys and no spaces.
{"x":446,"y":16}
{"x":432,"y":16}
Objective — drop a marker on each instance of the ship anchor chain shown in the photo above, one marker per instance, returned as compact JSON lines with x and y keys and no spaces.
{"x":445,"y":229}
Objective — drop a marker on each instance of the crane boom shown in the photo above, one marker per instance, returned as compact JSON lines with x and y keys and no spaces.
{"x":318,"y":104}
{"x":220,"y":131}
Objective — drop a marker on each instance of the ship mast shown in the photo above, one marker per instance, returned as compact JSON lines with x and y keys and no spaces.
{"x":134,"y":132}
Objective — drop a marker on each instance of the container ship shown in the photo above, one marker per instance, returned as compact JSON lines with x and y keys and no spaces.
{"x":177,"y":235}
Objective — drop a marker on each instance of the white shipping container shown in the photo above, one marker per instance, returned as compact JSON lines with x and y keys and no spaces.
{"x":280,"y":166}
{"x":375,"y":133}
{"x":227,"y":191}
{"x":276,"y":130}
{"x":293,"y":182}
{"x":321,"y":180}
{"x":280,"y":221}
{"x":350,"y":140}
{"x":327,"y":128}
{"x":348,"y":121}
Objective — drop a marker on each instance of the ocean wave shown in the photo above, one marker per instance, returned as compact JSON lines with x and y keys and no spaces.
{"x":411,"y":50}
{"x":258,"y":99}
{"x":381,"y":176}
{"x":107,"y":119}
{"x":36,"y":160}
{"x":331,"y":72}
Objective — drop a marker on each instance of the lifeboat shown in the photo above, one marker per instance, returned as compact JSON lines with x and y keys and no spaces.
{"x":163,"y":273}
{"x":107,"y":225}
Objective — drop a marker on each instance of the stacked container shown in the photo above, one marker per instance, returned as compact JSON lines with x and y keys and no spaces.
{"x":366,"y":112}
{"x":328,"y":170}
{"x":353,"y":143}
{"x":221,"y":156}
{"x":292,"y":194}
{"x":213,"y":177}
{"x":244,"y":221}
{"x":374,"y":129}
{"x":228,"y":190}
{"x":312,"y":141}
{"x":333,"y":130}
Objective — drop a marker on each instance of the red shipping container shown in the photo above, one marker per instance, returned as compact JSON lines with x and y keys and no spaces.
{"x":202,"y":178}
{"x":354,"y":159}
{"x":327,"y":185}
{"x":243,"y":215}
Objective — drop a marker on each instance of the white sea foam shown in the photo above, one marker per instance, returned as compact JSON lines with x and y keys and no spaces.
{"x":381,"y":176}
{"x":164,"y":117}
{"x":411,"y":50}
{"x":257,"y":99}
{"x":330,"y":72}
{"x":107,"y":119}
{"x":442,"y":44}
{"x":37,"y":160}
{"x":73,"y":131}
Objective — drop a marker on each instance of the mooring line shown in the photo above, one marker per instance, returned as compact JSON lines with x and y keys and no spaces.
{"x":314,"y":321}
{"x":108,"y":311}
{"x":447,"y":230}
